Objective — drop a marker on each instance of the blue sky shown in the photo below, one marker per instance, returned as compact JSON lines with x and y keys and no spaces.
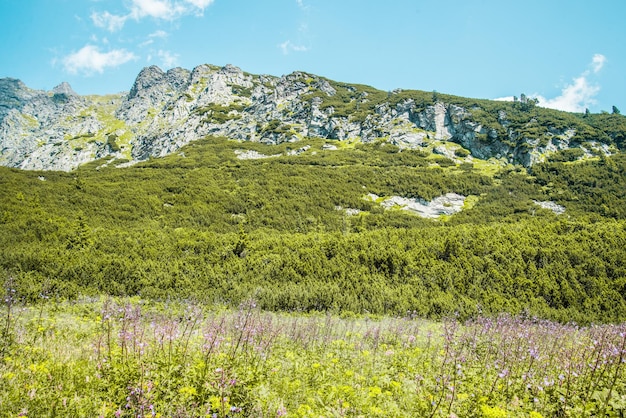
{"x":569,"y":53}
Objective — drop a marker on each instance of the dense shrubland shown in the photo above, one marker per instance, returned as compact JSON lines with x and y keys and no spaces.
{"x":203,"y":224}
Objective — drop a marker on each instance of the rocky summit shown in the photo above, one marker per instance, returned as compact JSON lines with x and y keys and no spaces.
{"x":163,"y":111}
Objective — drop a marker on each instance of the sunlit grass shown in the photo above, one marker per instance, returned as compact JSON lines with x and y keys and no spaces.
{"x":131,"y":357}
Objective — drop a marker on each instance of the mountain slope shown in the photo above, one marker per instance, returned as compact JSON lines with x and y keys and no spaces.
{"x":163,"y":111}
{"x":298,"y":232}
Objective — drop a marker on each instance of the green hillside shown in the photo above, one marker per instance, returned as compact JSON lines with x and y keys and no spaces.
{"x":520,"y":125}
{"x":298,"y":233}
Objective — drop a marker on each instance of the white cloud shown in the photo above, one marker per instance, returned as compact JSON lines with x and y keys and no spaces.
{"x":158,"y":9}
{"x":598,"y":62}
{"x":89,"y":60}
{"x":168,"y":60}
{"x":578,"y":95}
{"x":200,"y":5}
{"x":301,"y":5}
{"x":574,"y":97}
{"x":158,"y":34}
{"x":146,"y":43}
{"x":109,"y":21}
{"x":289,"y":46}
{"x":168,"y":10}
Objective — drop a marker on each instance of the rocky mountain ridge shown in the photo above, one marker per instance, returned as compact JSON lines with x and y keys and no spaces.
{"x":163,"y":111}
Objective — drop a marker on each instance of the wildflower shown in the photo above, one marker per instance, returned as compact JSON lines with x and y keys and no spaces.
{"x":374,"y":391}
{"x":187,"y":391}
{"x":492,"y":412}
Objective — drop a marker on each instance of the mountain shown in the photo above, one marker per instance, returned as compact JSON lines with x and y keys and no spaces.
{"x":61,"y":130}
{"x":307,"y":194}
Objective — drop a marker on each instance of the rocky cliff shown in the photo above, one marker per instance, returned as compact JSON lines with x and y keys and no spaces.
{"x":60,"y":130}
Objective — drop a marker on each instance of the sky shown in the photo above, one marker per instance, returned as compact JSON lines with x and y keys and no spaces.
{"x":570,"y":54}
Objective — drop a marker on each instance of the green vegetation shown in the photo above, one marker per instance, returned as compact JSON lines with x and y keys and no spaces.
{"x":596,"y":187}
{"x":569,"y":154}
{"x":353,"y":101}
{"x":613,"y":125}
{"x":242,"y":91}
{"x":528,"y":121}
{"x":216,"y":113}
{"x":140,"y":358}
{"x":112,"y":143}
{"x":200,"y":284}
{"x":206,"y":224}
{"x":277,"y":127}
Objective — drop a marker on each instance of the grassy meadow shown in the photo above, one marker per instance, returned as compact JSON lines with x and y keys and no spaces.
{"x":130,"y":357}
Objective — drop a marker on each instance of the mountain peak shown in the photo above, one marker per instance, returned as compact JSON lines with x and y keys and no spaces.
{"x":12,"y":95}
{"x":147,"y":77}
{"x":167,"y":110}
{"x":64,"y":88}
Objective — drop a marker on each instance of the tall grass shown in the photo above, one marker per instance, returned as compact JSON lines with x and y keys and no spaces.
{"x":137,"y":358}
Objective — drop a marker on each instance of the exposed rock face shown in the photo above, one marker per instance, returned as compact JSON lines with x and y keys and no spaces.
{"x":63,"y":90}
{"x":35,"y":128}
{"x":59,"y":130}
{"x":13,"y":95}
{"x":557,"y":209}
{"x":448,"y":204}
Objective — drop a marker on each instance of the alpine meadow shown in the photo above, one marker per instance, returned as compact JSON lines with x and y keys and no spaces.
{"x":215,"y":243}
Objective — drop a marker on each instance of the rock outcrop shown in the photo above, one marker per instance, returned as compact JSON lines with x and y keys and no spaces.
{"x":163,"y":111}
